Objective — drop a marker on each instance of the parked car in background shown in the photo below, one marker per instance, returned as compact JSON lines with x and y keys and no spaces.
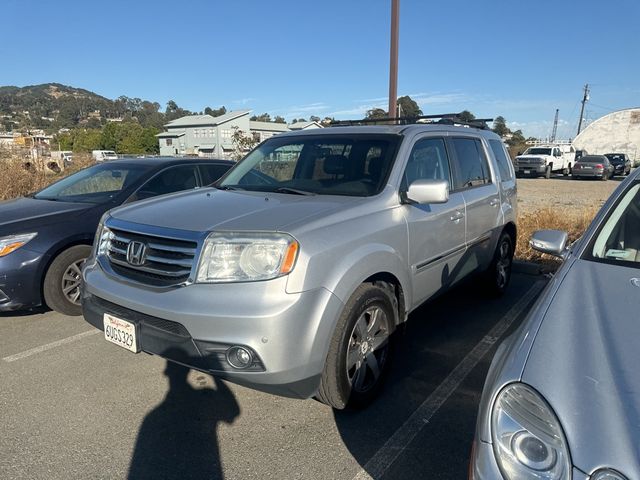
{"x":45,"y":237}
{"x":593,"y":166}
{"x":543,"y":160}
{"x":293,"y":273}
{"x":621,"y":163}
{"x":104,"y":155}
{"x":562,"y":395}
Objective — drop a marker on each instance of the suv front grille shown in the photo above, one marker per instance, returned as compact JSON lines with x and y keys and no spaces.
{"x":166,"y":262}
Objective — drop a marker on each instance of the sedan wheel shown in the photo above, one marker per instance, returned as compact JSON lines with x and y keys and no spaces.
{"x":62,"y":282}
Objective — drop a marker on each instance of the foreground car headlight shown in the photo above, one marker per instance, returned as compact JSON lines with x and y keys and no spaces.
{"x":528,"y":441}
{"x":607,"y":474}
{"x":13,"y":242}
{"x":246,"y":257}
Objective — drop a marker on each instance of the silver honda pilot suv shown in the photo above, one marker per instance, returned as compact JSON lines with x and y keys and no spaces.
{"x":292,"y":273}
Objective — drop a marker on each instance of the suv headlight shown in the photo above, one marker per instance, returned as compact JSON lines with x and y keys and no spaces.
{"x":246,"y":257}
{"x":13,"y":242}
{"x":528,"y":441}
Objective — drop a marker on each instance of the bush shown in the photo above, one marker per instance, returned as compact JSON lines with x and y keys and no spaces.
{"x":571,"y":220}
{"x":18,"y":179}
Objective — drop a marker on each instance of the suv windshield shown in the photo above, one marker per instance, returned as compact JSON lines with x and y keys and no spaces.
{"x":354,"y":165}
{"x":538,"y":151}
{"x":95,"y":184}
{"x":618,"y":240}
{"x":615,"y":157}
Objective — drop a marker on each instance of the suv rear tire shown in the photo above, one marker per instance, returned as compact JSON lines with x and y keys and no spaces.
{"x":61,"y":287}
{"x":498,"y":275}
{"x":360,"y":350}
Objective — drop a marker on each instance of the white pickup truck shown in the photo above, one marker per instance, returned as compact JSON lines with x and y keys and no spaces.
{"x":543,"y":160}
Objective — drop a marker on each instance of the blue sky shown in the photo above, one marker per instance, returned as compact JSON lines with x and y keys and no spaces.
{"x":514,"y":58}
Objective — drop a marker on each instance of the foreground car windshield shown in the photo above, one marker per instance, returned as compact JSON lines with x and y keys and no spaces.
{"x":95,"y":184}
{"x":356,"y":165}
{"x":618,"y":240}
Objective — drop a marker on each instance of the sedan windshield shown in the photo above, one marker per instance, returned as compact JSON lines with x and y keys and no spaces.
{"x":618,"y":239}
{"x":96,"y":184}
{"x":355,"y":165}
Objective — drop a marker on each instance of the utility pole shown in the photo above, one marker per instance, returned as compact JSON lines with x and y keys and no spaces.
{"x":555,"y":127}
{"x":393,"y":57}
{"x":585,"y":97}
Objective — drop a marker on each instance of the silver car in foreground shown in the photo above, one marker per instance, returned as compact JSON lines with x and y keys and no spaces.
{"x":293,"y":273}
{"x":562,"y":397}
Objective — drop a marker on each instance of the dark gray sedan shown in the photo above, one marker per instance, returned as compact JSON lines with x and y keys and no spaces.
{"x":593,"y":166}
{"x":562,"y":397}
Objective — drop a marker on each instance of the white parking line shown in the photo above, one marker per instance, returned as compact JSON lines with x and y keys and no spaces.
{"x":380,"y":462}
{"x":49,"y":346}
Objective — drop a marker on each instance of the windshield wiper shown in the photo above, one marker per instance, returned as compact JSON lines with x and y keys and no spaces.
{"x":228,"y":187}
{"x":295,"y":191}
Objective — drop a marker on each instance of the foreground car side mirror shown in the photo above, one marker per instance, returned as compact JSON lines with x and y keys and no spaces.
{"x":429,"y":191}
{"x":553,"y":242}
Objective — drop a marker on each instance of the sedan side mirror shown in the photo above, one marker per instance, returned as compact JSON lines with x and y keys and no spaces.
{"x":553,"y":242}
{"x":429,"y":191}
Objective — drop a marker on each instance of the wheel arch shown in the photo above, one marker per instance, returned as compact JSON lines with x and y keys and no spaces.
{"x":56,"y":250}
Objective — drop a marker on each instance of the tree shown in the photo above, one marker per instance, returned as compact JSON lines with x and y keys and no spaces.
{"x":215,"y":112}
{"x":241,"y":143}
{"x":376,"y":113}
{"x":408,"y":107}
{"x":313,"y":118}
{"x":327,"y":121}
{"x":279,"y":119}
{"x":296,"y":120}
{"x":466,"y":116}
{"x":500,"y":126}
{"x":265,"y":117}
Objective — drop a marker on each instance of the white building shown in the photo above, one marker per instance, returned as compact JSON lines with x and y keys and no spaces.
{"x":205,"y":135}
{"x":617,"y":132}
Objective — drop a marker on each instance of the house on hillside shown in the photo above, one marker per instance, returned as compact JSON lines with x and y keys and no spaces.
{"x":204,"y":135}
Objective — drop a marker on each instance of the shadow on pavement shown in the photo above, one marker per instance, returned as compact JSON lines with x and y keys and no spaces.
{"x":178,"y":438}
{"x":437,"y":337}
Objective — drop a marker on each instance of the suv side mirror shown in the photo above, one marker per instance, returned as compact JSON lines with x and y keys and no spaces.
{"x":429,"y":191}
{"x":553,"y":242}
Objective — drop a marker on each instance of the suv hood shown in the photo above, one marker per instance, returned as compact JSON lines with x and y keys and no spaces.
{"x":23,"y":210}
{"x":584,"y":361}
{"x":210,"y":209}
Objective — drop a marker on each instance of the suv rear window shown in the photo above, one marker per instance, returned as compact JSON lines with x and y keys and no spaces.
{"x":472,"y":163}
{"x":504,"y":164}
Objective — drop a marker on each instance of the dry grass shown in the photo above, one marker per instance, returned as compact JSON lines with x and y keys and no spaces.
{"x":16,"y":180}
{"x":571,"y":220}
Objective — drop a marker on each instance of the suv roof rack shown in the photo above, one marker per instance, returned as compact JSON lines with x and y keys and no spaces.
{"x":442,"y":119}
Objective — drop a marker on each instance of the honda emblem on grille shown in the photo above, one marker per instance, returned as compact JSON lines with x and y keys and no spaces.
{"x":136,"y":253}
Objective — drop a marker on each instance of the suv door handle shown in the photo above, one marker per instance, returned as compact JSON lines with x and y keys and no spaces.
{"x":495,"y":202}
{"x":456,"y":217}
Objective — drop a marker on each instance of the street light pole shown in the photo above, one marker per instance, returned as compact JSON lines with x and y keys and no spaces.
{"x":393,"y":58}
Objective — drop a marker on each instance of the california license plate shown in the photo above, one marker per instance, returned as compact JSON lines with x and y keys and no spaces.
{"x":120,"y":332}
{"x":527,"y":172}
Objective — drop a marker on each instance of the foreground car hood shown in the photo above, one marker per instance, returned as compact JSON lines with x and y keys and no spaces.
{"x":585,"y":361}
{"x":211,"y":209}
{"x":24,"y":210}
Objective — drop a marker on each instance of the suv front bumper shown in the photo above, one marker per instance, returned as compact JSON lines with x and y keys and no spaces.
{"x":196,"y":324}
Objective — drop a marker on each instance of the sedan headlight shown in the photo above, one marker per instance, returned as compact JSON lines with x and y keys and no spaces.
{"x":246,"y":257}
{"x":13,"y":242}
{"x":607,"y":474}
{"x":528,"y":441}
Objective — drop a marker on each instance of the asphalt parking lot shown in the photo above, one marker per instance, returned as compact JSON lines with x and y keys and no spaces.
{"x":74,"y":406}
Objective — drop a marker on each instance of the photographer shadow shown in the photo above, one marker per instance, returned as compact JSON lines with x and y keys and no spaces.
{"x":178,"y":439}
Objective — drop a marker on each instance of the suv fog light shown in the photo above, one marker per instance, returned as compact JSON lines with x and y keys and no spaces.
{"x":239,"y":357}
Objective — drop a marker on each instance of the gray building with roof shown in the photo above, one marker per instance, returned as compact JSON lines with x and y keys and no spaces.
{"x":204,"y":135}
